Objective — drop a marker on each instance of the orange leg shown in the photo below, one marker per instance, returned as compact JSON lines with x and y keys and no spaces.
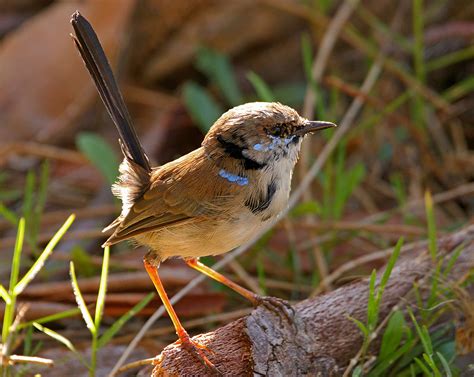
{"x":184,"y":338}
{"x":252,"y":297}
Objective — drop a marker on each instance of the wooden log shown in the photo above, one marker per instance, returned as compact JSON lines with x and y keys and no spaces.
{"x":314,"y":337}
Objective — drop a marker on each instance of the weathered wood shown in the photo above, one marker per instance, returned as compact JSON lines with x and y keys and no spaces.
{"x":315,"y":337}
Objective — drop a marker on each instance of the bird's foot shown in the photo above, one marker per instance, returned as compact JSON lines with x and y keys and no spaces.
{"x":276,"y":305}
{"x":199,"y":351}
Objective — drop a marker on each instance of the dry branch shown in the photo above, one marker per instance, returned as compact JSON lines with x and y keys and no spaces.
{"x":319,"y":339}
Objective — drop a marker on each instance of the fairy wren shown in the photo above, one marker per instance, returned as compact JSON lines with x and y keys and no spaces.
{"x":210,"y":200}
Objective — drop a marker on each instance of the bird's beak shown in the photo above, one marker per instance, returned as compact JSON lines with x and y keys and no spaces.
{"x":312,"y":126}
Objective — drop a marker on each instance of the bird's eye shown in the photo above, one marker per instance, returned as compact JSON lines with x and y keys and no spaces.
{"x":276,"y":131}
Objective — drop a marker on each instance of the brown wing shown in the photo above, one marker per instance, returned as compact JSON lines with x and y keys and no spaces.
{"x":179,"y":194}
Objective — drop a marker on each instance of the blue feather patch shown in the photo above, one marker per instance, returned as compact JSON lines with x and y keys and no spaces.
{"x":241,"y":181}
{"x":276,"y":141}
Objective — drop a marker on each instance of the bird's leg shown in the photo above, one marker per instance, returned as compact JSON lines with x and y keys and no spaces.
{"x":198,"y":266}
{"x":272,"y":303}
{"x":186,"y":342}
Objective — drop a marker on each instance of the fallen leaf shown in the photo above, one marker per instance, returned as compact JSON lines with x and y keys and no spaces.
{"x":44,"y":83}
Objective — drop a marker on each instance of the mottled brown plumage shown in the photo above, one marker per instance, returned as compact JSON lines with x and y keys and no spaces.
{"x":185,"y":208}
{"x":209,"y":201}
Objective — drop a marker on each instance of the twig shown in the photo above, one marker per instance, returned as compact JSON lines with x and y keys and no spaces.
{"x":464,"y":190}
{"x":245,"y":277}
{"x":324,"y":51}
{"x":377,"y":255}
{"x":15,"y":359}
{"x":193,"y":323}
{"x":320,"y":62}
{"x":350,"y":36}
{"x":362,"y":227}
{"x":41,"y":150}
{"x":136,"y":364}
{"x":460,"y":191}
{"x":56,"y":217}
{"x":373,"y":336}
{"x":22,"y":309}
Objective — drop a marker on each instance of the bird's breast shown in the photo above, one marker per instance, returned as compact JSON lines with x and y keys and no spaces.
{"x":256,"y":202}
{"x":268,"y":196}
{"x":204,"y":236}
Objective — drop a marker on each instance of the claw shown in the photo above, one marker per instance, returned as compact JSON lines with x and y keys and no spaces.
{"x":276,"y":305}
{"x":196,"y":349}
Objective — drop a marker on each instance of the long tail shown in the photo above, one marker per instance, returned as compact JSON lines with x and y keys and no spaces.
{"x":135,"y":169}
{"x":98,"y":66}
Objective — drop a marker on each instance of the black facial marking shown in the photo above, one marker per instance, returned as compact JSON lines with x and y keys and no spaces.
{"x":264,"y":200}
{"x":235,"y":151}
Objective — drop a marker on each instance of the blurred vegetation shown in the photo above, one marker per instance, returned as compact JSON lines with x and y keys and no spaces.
{"x":404,"y":170}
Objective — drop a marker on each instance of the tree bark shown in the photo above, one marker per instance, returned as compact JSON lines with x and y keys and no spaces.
{"x":314,"y":337}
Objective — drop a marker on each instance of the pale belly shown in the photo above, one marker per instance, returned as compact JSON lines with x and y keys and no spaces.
{"x":202,"y":238}
{"x":209,"y":236}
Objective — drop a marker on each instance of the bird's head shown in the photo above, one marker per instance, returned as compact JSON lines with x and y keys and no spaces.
{"x":259,"y":134}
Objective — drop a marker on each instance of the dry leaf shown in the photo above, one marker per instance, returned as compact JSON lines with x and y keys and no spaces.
{"x":44,"y":83}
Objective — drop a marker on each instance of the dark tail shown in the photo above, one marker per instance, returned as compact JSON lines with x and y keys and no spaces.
{"x":98,"y":66}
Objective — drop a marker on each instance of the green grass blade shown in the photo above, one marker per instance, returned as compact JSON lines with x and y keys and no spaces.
{"x":430,"y":363}
{"x":202,"y":108}
{"x":372,"y":304}
{"x":80,"y":300}
{"x":28,"y":196}
{"x":425,"y":341}
{"x":264,"y":92}
{"x":43,"y":187}
{"x":291,"y":94}
{"x":418,"y":60}
{"x":20,"y":237}
{"x":61,"y":339}
{"x":357,"y":371}
{"x":56,"y":336}
{"x":52,"y":317}
{"x":388,"y":362}
{"x":452,"y":58}
{"x":8,"y":215}
{"x":418,"y":45}
{"x":392,"y":335}
{"x":430,"y":218}
{"x":99,"y":308}
{"x":423,"y":367}
{"x":391,"y":263}
{"x":460,"y":89}
{"x":5,"y":296}
{"x":15,"y":271}
{"x":99,"y":153}
{"x":218,"y":68}
{"x":453,"y":258}
{"x":27,"y":343}
{"x":361,"y":326}
{"x":445,"y":365}
{"x":118,"y":324}
{"x":40,"y":200}
{"x":33,"y":271}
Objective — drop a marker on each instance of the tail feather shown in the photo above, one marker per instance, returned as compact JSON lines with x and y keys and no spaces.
{"x":132,"y":183}
{"x":98,"y":66}
{"x":135,"y":169}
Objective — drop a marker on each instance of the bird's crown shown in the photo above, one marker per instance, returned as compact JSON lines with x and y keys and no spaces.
{"x":257,"y":132}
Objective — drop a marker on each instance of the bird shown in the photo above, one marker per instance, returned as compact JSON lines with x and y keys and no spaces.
{"x":209,"y":201}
